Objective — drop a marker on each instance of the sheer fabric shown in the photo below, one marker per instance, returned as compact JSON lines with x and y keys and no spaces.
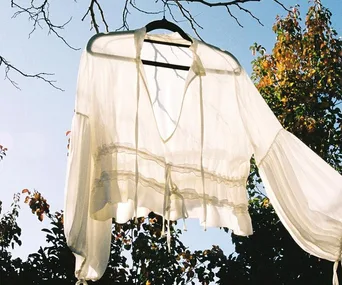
{"x":179,"y":143}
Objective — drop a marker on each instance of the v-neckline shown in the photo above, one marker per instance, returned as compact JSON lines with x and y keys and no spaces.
{"x":191,"y":74}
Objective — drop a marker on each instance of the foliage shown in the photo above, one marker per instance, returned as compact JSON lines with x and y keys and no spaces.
{"x":271,"y":256}
{"x":301,"y":80}
{"x":151,"y":262}
{"x":2,"y":152}
{"x":37,"y":204}
{"x":9,"y":229}
{"x":9,"y":237}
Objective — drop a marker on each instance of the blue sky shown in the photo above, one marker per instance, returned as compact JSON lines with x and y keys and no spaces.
{"x":33,"y":121}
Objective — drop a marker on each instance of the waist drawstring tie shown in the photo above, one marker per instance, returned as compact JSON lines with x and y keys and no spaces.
{"x":175,"y":191}
{"x":138,"y":41}
{"x":136,"y":136}
{"x":335,"y":277}
{"x":202,"y":168}
{"x":166,"y":206}
{"x":170,"y":189}
{"x":335,"y":267}
{"x":184,"y":225}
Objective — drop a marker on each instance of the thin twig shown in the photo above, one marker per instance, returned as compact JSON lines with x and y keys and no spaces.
{"x":250,"y":13}
{"x":168,"y":6}
{"x":226,"y":5}
{"x":234,"y":17}
{"x":134,"y":5}
{"x":42,"y":75}
{"x":187,"y":15}
{"x":176,"y":5}
{"x":260,"y":192}
{"x":125,"y":12}
{"x":40,"y":14}
{"x":282,"y":5}
{"x":220,"y":4}
{"x":102,"y":16}
{"x":92,"y":16}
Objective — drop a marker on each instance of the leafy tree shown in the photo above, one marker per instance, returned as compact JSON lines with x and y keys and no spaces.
{"x":142,"y":240}
{"x":9,"y":233}
{"x":301,"y":82}
{"x":9,"y":237}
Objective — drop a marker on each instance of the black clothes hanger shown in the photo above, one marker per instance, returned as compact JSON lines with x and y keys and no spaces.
{"x":166,"y":25}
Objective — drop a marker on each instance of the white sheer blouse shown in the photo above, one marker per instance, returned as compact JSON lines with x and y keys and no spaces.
{"x":179,"y":143}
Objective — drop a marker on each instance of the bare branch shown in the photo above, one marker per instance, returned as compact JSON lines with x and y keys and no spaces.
{"x":134,"y":5}
{"x":92,"y":16}
{"x":250,"y":13}
{"x":177,"y":5}
{"x":187,"y":15}
{"x":234,"y":17}
{"x":39,"y":14}
{"x":42,"y":75}
{"x":102,"y":16}
{"x":220,"y":4}
{"x":168,"y":6}
{"x":92,"y":13}
{"x":282,"y":5}
{"x":125,"y":12}
{"x":227,"y":5}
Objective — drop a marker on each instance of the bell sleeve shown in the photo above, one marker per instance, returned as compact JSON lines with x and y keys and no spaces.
{"x":88,"y":239}
{"x":304,"y":190}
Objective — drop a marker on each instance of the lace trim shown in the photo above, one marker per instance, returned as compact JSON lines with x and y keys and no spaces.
{"x":116,"y":148}
{"x":186,"y":193}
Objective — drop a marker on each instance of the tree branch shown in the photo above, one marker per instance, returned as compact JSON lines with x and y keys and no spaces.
{"x":134,"y":5}
{"x":187,"y":15}
{"x":40,"y":15}
{"x":228,"y":4}
{"x":102,"y":16}
{"x":282,"y":5}
{"x":175,"y":5}
{"x":172,"y":5}
{"x":219,"y":4}
{"x":92,"y":13}
{"x":250,"y":13}
{"x":42,"y":75}
{"x":234,"y":17}
{"x":125,"y":12}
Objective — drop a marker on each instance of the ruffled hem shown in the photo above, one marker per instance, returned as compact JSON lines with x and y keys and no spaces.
{"x":174,"y":191}
{"x":227,"y":203}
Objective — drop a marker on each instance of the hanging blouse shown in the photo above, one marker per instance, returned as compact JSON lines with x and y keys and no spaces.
{"x":179,"y":143}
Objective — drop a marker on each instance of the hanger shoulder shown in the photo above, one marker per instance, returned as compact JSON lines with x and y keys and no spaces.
{"x":165,"y":24}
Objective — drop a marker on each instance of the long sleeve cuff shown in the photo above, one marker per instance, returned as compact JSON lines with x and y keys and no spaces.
{"x":305,"y":192}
